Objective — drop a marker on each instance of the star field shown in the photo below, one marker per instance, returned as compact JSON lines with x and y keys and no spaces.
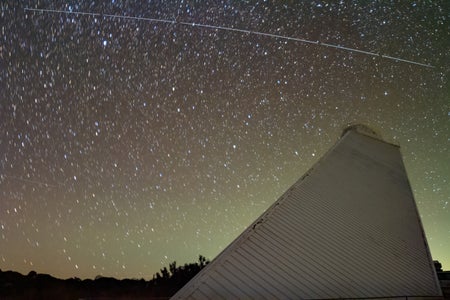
{"x":127,"y":144}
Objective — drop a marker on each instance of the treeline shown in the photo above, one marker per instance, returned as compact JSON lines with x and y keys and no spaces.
{"x":180,"y":274}
{"x":169,"y":281}
{"x":164,"y":284}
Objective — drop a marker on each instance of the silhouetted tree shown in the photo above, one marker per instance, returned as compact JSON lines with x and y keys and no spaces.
{"x":32,"y":274}
{"x":165,"y":273}
{"x":202,"y":261}
{"x":173,"y":268}
{"x":437,"y":266}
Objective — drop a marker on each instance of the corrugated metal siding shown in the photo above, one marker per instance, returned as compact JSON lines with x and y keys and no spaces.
{"x":349,"y":228}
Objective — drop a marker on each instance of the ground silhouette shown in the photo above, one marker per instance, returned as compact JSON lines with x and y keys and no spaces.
{"x":164,"y":284}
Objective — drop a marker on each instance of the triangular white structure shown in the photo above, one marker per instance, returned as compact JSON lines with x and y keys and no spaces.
{"x":349,"y":228}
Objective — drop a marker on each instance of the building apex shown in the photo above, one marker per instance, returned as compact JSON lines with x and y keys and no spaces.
{"x":363,"y":129}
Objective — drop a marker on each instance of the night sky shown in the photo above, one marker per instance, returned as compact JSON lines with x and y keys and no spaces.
{"x":127,"y":144}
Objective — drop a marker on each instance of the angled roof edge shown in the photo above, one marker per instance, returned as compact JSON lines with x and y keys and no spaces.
{"x":248,"y":231}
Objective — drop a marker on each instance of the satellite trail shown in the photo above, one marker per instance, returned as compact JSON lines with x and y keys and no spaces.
{"x":223,"y":28}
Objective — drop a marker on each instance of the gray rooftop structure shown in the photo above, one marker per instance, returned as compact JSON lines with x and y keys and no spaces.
{"x":348,"y":228}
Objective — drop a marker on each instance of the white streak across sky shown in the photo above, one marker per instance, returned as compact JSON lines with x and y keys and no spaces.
{"x":237,"y":30}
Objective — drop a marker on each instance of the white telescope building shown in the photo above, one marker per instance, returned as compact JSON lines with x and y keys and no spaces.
{"x":348,"y":228}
